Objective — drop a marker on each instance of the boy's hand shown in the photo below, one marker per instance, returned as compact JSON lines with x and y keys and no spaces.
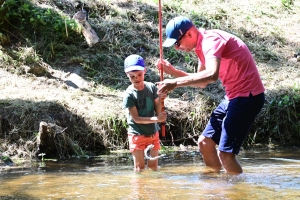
{"x":162,"y":117}
{"x":163,"y":95}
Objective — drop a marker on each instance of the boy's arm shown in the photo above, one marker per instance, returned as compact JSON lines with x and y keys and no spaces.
{"x":143,"y":120}
{"x":157,"y":105}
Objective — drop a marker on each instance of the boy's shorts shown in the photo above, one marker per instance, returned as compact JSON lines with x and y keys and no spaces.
{"x":140,"y":142}
{"x":230,"y":122}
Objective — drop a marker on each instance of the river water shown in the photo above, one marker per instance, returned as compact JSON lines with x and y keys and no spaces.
{"x":268,"y":174}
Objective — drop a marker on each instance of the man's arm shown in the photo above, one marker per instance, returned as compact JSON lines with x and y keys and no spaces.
{"x":207,"y":74}
{"x":200,"y":66}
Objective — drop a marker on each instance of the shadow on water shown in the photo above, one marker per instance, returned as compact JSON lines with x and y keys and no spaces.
{"x":269,"y":174}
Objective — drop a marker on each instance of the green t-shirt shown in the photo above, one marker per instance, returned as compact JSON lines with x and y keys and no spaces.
{"x":143,"y":100}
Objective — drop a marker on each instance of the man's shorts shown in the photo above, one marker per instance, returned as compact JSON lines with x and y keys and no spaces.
{"x":230,"y":122}
{"x":140,"y":142}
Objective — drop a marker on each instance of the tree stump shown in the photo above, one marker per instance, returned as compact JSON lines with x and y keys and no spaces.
{"x":87,"y":30}
{"x":46,"y":138}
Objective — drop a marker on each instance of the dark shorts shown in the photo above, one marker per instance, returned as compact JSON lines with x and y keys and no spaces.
{"x":230,"y":122}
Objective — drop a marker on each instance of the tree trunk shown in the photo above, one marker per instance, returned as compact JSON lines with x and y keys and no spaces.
{"x":1,"y":2}
{"x":2,"y":12}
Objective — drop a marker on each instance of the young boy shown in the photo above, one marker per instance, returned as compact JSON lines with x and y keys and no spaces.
{"x":141,"y":103}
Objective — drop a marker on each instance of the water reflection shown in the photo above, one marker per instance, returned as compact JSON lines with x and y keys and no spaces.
{"x":269,"y":174}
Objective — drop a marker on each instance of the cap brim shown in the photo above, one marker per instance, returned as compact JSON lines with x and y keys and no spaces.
{"x":169,"y":42}
{"x":133,"y":68}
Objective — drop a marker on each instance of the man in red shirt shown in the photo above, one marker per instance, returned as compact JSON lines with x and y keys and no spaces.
{"x":226,"y":57}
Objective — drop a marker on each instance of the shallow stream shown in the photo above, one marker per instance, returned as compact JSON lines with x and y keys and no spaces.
{"x":268,"y":174}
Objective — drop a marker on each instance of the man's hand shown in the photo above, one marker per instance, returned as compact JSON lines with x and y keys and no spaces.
{"x":166,"y":86}
{"x":166,"y":66}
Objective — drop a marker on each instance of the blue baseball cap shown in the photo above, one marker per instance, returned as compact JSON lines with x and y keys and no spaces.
{"x":134,"y":62}
{"x":176,"y":28}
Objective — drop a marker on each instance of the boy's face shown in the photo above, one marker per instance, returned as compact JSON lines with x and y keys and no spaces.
{"x":136,"y":77}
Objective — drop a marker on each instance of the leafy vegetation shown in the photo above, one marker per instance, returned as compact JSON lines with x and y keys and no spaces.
{"x":42,"y":34}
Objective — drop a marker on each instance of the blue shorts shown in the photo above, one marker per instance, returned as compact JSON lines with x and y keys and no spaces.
{"x":230,"y":122}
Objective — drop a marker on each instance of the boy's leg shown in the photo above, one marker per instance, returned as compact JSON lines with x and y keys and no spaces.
{"x":136,"y":148}
{"x":137,"y":145}
{"x":153,"y":164}
{"x":138,"y":160}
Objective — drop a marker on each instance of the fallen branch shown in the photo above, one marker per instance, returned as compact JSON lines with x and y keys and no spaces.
{"x":148,"y":157}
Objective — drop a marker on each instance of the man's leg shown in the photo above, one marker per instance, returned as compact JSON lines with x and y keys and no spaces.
{"x":230,"y":163}
{"x":241,"y":113}
{"x":209,"y":153}
{"x":211,"y":136}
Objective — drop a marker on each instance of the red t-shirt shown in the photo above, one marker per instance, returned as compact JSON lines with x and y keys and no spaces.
{"x":238,"y":72}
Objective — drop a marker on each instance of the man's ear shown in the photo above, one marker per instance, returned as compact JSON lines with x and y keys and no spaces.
{"x":190,"y":34}
{"x":192,"y":31}
{"x":145,"y":70}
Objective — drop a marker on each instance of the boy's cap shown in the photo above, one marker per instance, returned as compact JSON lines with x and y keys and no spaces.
{"x":134,"y":62}
{"x":176,"y":28}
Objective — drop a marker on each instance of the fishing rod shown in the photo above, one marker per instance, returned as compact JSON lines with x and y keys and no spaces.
{"x":163,"y":124}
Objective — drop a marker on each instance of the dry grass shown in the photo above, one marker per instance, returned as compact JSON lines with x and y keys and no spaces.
{"x":96,"y":118}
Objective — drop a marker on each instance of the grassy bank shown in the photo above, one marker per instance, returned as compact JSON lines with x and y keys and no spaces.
{"x":42,"y":37}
